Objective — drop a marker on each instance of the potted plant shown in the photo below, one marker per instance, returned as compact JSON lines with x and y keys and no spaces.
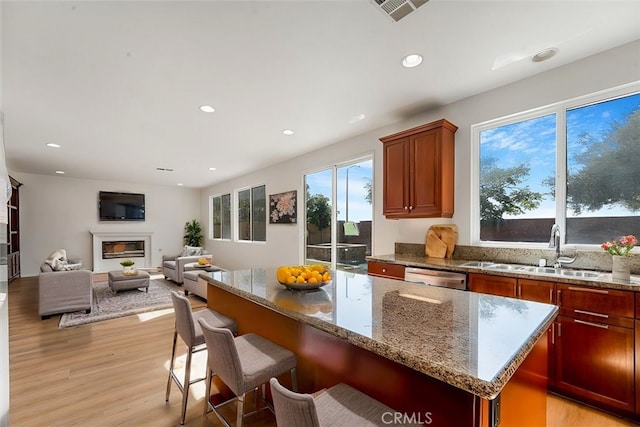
{"x":127,"y":267}
{"x":192,"y":233}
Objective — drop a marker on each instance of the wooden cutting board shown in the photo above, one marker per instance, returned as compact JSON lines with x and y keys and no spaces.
{"x":441,"y":241}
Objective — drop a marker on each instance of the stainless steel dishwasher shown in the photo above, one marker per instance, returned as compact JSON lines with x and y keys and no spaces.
{"x":445,"y":279}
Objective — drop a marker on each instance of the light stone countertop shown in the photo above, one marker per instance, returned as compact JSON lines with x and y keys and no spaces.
{"x":604,"y":280}
{"x":471,"y":341}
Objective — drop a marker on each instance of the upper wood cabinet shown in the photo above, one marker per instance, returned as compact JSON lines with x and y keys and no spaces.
{"x":419,"y":171}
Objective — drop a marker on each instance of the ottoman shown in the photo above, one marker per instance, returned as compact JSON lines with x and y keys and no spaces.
{"x":118,"y":281}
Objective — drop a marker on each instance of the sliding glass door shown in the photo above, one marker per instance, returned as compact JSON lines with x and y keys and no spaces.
{"x":339,"y":215}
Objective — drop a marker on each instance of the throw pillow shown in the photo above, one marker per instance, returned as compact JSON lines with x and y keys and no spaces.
{"x":59,"y":255}
{"x":191,"y":251}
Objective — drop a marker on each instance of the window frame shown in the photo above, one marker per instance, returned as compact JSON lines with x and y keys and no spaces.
{"x":236,"y":209}
{"x":211,"y":224}
{"x":560,"y":110}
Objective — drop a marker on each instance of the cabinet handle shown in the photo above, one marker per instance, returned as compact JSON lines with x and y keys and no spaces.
{"x":553,"y":333}
{"x":558,"y":297}
{"x":551,"y":296}
{"x":597,"y":325}
{"x":406,"y":208}
{"x":384,"y":270}
{"x":597,"y":291}
{"x":590,"y":313}
{"x":559,"y":330}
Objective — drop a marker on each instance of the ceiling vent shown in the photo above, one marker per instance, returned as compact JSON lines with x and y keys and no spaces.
{"x":398,"y":9}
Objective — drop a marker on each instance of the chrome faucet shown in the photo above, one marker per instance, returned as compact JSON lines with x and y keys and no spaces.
{"x":554,"y":242}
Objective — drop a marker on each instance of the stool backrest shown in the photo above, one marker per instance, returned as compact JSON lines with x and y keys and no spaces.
{"x":184,"y":318}
{"x":223,"y":356}
{"x":293,"y":409}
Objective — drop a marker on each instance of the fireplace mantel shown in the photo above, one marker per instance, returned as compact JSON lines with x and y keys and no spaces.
{"x":103,"y":265}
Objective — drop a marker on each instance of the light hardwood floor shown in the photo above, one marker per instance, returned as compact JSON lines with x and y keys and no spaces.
{"x":114,"y":373}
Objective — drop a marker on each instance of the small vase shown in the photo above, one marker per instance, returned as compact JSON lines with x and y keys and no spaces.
{"x":620,"y":269}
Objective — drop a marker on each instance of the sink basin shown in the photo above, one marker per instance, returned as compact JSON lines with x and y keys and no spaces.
{"x":574,"y":273}
{"x":477,"y":264}
{"x":542,"y":270}
{"x":507,"y":267}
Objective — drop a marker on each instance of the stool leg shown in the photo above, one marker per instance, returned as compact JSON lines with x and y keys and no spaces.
{"x":186,"y":386}
{"x":294,"y":379}
{"x":173,"y":358}
{"x":240,"y":413}
{"x":207,"y":393}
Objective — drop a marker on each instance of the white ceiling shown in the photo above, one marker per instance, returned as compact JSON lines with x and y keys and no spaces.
{"x":118,"y":84}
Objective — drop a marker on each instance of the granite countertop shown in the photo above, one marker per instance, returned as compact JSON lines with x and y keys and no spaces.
{"x":604,"y":280}
{"x":471,"y":341}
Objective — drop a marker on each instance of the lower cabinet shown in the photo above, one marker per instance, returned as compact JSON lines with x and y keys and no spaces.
{"x":594,"y":361}
{"x":594,"y":343}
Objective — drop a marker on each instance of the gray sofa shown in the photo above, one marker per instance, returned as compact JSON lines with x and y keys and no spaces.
{"x":192,"y":282}
{"x":64,"y":291}
{"x":173,"y":266}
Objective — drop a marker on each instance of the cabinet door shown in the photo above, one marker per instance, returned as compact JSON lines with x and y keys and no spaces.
{"x":493,"y":285}
{"x":424,"y":172}
{"x":595,"y":362}
{"x":396,"y":178}
{"x":535,"y":290}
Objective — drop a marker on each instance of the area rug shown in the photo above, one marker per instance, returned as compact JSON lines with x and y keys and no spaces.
{"x":107,"y":305}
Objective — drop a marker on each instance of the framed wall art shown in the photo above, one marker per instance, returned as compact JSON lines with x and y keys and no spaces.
{"x":283,"y":207}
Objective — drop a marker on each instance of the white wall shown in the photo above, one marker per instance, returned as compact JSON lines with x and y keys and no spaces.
{"x":605,"y":70}
{"x":58,"y":212}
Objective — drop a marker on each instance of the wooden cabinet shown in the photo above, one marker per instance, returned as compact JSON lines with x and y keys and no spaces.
{"x":536,"y":290}
{"x":493,"y":285}
{"x":386,"y":269}
{"x":418,"y":170}
{"x":594,"y":346}
{"x":13,"y":231}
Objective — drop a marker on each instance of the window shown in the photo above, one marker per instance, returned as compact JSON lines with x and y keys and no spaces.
{"x":252,"y":214}
{"x":570,"y":164}
{"x":221,"y":217}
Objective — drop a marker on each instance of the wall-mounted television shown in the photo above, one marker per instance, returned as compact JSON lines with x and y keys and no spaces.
{"x":114,"y":206}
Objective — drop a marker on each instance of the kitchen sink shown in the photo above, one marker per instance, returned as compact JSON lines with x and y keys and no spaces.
{"x":542,"y":270}
{"x":574,"y":273}
{"x":506,"y":267}
{"x":477,"y":264}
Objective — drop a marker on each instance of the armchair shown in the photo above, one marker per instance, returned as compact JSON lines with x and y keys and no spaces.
{"x":173,"y":266}
{"x":64,"y":291}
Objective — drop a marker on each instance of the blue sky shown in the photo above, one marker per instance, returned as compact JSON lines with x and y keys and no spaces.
{"x":359,"y":208}
{"x":533,"y":142}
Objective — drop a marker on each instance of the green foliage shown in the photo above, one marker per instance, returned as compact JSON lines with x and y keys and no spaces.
{"x":501,"y":191}
{"x":318,"y":211}
{"x":126,"y":263}
{"x":609,"y":174}
{"x":193,"y":233}
{"x":368,"y":187}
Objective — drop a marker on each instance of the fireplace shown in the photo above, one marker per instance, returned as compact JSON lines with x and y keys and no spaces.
{"x":111,"y":247}
{"x":123,"y":249}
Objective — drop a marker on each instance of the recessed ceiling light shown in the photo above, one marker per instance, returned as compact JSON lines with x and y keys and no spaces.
{"x":60,"y":172}
{"x":180,"y":184}
{"x":212,"y":169}
{"x":357,"y":118}
{"x":287,"y":132}
{"x":543,"y":55}
{"x":52,"y":145}
{"x":207,"y":108}
{"x":412,"y":60}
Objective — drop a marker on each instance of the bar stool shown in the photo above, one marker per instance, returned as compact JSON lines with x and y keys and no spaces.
{"x":338,"y":405}
{"x":190,"y":332}
{"x":243,"y":363}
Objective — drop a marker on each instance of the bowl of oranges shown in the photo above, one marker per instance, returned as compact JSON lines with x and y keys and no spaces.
{"x":304,"y":276}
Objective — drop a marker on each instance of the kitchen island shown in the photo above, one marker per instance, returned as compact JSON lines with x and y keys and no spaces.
{"x":450,"y":357}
